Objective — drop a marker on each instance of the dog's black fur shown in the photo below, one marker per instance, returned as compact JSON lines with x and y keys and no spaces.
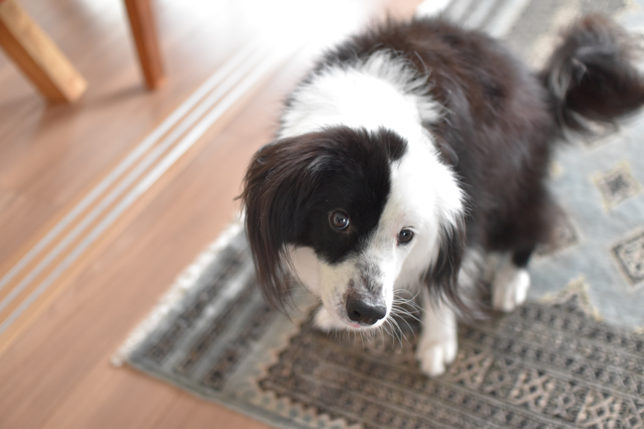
{"x":500,"y":124}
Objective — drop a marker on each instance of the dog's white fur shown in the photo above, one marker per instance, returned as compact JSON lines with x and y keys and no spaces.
{"x":381,"y":93}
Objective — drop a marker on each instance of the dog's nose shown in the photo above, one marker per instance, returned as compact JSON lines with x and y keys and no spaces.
{"x":360,"y":311}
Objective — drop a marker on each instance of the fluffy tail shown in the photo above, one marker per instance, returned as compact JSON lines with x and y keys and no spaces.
{"x":591,"y":75}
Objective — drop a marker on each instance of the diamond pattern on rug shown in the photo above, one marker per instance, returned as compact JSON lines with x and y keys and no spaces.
{"x":630,"y":256}
{"x":617,"y":185}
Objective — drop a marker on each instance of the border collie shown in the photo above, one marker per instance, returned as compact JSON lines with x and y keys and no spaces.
{"x":410,"y":153}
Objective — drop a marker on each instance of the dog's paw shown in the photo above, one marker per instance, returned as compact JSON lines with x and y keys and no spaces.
{"x":325,"y":322}
{"x":435,"y":355}
{"x":510,"y":288}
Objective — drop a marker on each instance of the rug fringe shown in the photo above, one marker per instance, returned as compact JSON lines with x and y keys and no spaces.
{"x":178,"y":289}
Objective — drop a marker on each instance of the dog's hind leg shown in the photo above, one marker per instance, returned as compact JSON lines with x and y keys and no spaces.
{"x":516,"y":239}
{"x":512,"y":280}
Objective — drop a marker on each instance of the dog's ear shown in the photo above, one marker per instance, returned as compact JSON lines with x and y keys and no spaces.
{"x":441,"y":276}
{"x":278,"y":186}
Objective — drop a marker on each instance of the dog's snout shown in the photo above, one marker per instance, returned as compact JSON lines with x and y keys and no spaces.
{"x":364,"y":312}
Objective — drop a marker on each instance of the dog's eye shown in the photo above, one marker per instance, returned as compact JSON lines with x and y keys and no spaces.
{"x":405,"y":235}
{"x":339,"y":219}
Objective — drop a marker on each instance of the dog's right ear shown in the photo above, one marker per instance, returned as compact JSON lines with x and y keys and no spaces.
{"x":277,"y":191}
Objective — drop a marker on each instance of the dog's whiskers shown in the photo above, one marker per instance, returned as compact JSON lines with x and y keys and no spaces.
{"x":404,"y":313}
{"x":395,"y":331}
{"x":401,"y":333}
{"x":390,"y":330}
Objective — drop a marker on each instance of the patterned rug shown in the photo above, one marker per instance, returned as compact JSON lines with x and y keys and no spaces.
{"x":573,"y":356}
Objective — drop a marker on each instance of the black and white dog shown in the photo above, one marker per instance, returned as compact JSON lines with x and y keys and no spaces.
{"x":410,"y":153}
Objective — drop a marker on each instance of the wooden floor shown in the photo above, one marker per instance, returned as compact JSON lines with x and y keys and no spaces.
{"x":54,"y":361}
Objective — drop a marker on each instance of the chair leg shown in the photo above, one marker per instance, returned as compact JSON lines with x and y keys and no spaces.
{"x":145,"y":37}
{"x":37,"y":55}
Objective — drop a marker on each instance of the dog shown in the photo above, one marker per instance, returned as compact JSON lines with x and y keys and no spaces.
{"x":410,"y":153}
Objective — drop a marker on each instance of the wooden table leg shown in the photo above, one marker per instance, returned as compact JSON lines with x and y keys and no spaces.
{"x":37,"y":55}
{"x":145,"y":37}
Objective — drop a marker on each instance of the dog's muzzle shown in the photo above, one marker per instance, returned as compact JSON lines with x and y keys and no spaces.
{"x":362,"y":310}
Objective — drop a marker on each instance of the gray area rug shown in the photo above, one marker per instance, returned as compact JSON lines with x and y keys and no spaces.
{"x":573,"y":356}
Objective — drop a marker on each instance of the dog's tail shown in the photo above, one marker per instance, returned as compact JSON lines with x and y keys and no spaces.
{"x":591,"y":76}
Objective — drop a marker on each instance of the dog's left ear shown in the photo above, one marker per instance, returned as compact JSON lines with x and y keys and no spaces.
{"x":441,"y":278}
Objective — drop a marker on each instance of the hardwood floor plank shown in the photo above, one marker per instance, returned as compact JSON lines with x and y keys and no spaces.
{"x":18,"y":211}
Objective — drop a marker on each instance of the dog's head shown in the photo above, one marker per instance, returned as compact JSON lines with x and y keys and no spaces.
{"x":371,"y":211}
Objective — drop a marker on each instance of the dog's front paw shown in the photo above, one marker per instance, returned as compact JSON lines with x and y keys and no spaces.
{"x":510,"y":288}
{"x":435,"y":355}
{"x":324,"y":321}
